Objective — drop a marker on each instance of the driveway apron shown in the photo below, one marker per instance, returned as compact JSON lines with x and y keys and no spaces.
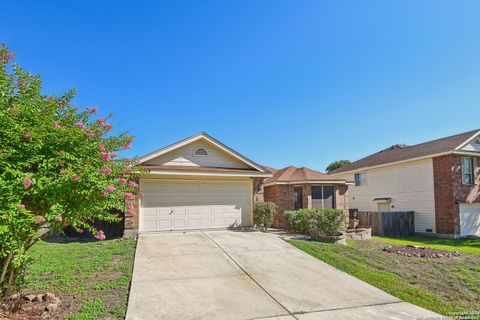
{"x":247,"y":275}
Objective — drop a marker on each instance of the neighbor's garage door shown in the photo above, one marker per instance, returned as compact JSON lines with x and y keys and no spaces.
{"x":470,"y":219}
{"x":203,"y":204}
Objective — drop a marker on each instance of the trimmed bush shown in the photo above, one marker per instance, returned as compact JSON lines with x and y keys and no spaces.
{"x":300,"y":221}
{"x":263,"y":214}
{"x":328,"y":222}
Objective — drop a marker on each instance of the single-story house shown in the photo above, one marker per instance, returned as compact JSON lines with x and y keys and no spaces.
{"x":293,"y":188}
{"x":196,"y":183}
{"x":438,"y":180}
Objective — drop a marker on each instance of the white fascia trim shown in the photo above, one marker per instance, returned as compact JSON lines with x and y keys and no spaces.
{"x":393,"y":163}
{"x":307,"y":182}
{"x":467,"y":153}
{"x":467,"y":141}
{"x":177,"y":145}
{"x":212,"y":174}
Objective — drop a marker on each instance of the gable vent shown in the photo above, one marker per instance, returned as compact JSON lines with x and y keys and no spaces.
{"x":200,"y":152}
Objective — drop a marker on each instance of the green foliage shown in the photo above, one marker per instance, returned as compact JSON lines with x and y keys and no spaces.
{"x":328,"y":222}
{"x":337,"y":164}
{"x":263,"y":214}
{"x":406,"y":280}
{"x":300,"y":221}
{"x":79,"y":271}
{"x":465,"y":245}
{"x":58,"y":167}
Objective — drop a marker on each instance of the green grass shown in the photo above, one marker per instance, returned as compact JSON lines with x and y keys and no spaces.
{"x":91,"y":277}
{"x":440,"y":285}
{"x":465,"y":245}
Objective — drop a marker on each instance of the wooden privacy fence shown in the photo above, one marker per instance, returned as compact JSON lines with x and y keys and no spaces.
{"x":388,"y":224}
{"x":111,"y":229}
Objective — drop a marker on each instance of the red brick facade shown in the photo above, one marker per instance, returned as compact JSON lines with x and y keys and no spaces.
{"x":450,"y":192}
{"x":282,"y":196}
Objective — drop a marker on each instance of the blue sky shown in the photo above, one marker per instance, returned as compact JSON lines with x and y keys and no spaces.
{"x":283,"y":82}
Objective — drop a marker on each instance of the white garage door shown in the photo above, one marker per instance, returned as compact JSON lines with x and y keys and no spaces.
{"x":470,"y":219}
{"x":183,"y":205}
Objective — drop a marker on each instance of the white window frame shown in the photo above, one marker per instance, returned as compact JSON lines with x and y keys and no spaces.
{"x":361,"y":182}
{"x":470,"y":173}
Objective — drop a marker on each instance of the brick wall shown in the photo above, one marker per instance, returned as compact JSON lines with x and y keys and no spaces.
{"x":282,"y":196}
{"x":450,"y":191}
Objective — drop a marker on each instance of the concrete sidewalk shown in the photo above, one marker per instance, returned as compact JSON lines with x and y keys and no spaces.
{"x":248,"y":275}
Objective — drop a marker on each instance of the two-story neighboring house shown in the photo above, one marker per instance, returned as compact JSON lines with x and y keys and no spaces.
{"x":438,"y":180}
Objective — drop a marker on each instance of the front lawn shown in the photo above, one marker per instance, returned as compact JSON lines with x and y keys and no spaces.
{"x":466,"y":245}
{"x":442,"y":285}
{"x":91,"y":278}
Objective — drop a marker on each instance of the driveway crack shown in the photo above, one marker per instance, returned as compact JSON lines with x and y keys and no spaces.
{"x":250,"y":276}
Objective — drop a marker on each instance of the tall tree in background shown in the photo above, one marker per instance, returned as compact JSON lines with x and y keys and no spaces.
{"x":58,"y":168}
{"x":337,"y":164}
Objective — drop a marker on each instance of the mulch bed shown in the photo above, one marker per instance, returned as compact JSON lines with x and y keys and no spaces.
{"x":30,"y":307}
{"x":420,"y":252}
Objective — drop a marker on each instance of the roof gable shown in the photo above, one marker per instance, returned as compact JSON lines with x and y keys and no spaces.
{"x":399,"y":153}
{"x":293,"y":175}
{"x":182,"y":153}
{"x":472,"y":144}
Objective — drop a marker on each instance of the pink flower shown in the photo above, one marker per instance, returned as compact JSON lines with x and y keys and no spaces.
{"x":127,"y":146}
{"x":127,"y":159}
{"x":105,"y":156}
{"x":40,"y":220}
{"x":122,"y":181}
{"x":101,"y":148}
{"x":80,"y":230}
{"x":107,"y":126}
{"x":56,"y":124}
{"x":80,"y":125}
{"x":132,"y":184}
{"x":27,"y":183}
{"x":58,"y":218}
{"x":108,"y":190}
{"x":113,"y":155}
{"x":101,"y":120}
{"x":100,"y":235}
{"x":131,"y":209}
{"x":21,"y":206}
{"x":75,"y":178}
{"x":141,"y":194}
{"x":127,"y":168}
{"x":92,"y":110}
{"x":128,"y":196}
{"x":106,"y":171}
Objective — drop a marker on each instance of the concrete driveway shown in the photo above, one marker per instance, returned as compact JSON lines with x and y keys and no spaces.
{"x":248,"y":275}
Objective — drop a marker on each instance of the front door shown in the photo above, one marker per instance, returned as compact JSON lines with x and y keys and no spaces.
{"x":297,"y":198}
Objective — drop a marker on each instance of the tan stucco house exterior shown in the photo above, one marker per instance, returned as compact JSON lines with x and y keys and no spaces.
{"x":196,"y":183}
{"x":438,"y":180}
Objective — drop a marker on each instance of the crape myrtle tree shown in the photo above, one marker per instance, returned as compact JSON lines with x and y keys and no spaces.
{"x":58,"y":168}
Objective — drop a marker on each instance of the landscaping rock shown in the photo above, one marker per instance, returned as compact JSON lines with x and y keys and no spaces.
{"x":420,"y":252}
{"x":51,"y":307}
{"x":29,"y":297}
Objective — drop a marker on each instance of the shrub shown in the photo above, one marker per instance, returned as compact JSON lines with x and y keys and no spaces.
{"x":58,"y":168}
{"x":328,"y":222}
{"x":300,"y":220}
{"x":263,"y":214}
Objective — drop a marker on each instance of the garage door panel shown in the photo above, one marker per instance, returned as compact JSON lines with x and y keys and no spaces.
{"x":180,"y":205}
